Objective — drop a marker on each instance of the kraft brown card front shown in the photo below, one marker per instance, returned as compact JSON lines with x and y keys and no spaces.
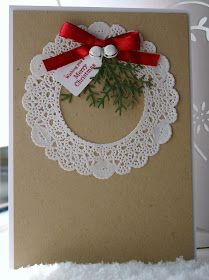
{"x":61,"y":215}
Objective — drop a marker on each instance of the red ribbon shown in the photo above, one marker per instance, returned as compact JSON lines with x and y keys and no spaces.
{"x":127,"y":45}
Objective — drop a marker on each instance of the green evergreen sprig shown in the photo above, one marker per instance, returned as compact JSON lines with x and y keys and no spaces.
{"x":117,"y":81}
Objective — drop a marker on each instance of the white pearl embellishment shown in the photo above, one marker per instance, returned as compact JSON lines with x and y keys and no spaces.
{"x":96,"y":51}
{"x":110,"y":51}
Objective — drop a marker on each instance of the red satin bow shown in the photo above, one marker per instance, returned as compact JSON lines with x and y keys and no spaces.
{"x":127,"y":45}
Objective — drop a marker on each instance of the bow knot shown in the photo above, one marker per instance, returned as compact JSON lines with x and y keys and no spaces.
{"x":126,"y":47}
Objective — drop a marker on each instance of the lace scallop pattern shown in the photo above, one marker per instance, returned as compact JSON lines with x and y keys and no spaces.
{"x":49,"y":130}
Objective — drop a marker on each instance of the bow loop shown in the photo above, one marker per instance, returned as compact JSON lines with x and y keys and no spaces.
{"x":125,"y":42}
{"x":75,"y":33}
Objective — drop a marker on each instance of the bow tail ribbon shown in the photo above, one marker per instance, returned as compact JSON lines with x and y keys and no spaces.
{"x":127,"y":45}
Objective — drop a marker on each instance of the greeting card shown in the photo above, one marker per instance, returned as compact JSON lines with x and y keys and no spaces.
{"x":102,"y":156}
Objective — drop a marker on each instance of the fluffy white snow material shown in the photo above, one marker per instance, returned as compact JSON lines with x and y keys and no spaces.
{"x":133,"y":270}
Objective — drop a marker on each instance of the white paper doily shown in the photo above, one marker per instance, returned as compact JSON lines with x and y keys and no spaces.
{"x":49,"y":130}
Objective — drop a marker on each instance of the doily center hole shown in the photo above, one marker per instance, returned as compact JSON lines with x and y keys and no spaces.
{"x":100,"y":125}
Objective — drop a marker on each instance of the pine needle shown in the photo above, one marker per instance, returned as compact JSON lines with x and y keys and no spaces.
{"x":119,"y":83}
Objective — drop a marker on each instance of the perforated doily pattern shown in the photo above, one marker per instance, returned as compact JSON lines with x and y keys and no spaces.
{"x":49,"y":130}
